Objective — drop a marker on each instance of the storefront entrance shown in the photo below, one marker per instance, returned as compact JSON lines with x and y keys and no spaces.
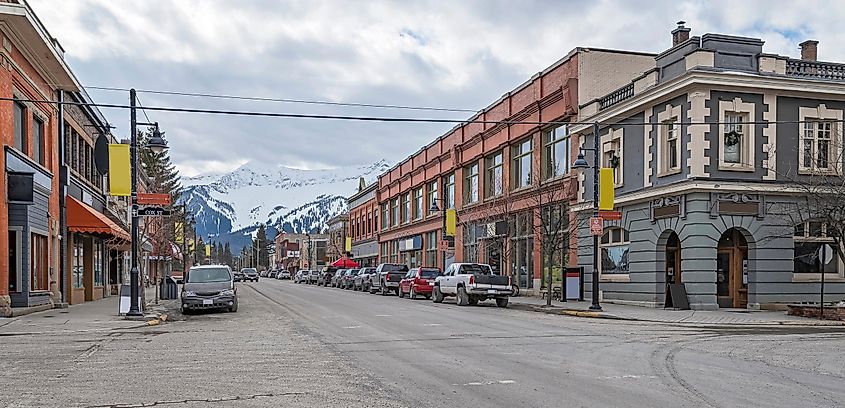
{"x":732,"y":270}
{"x":673,"y":266}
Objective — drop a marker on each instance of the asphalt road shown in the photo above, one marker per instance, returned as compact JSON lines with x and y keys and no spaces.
{"x":425,"y":354}
{"x":305,"y":346}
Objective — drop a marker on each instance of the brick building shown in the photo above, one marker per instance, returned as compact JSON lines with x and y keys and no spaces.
{"x":494,"y":173}
{"x":363,"y":224}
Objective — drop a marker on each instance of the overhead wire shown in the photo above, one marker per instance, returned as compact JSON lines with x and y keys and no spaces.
{"x":283,"y":100}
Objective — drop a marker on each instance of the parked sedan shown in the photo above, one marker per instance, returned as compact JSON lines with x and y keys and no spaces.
{"x":250,"y":274}
{"x":418,"y":281}
{"x":209,"y":286}
{"x":238,"y":276}
{"x":301,"y":276}
{"x":314,"y":276}
{"x":348,"y":278}
{"x":283,"y":274}
{"x":336,"y":278}
{"x":362,"y":280}
{"x":272,"y":274}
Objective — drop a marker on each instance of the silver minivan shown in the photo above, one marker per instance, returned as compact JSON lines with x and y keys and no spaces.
{"x":209,"y":287}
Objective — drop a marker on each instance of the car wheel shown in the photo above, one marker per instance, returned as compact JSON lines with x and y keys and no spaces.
{"x":428,"y":297}
{"x":462,"y":297}
{"x":502,"y":302}
{"x":185,"y":310}
{"x":413,"y":294}
{"x":515,"y":289}
{"x":438,"y":295}
{"x":234,"y":308}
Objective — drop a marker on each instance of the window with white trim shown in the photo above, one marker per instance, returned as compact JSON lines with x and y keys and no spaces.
{"x":611,"y":154}
{"x":418,"y":203}
{"x":820,"y":140}
{"x":615,"y":244}
{"x":671,"y":145}
{"x":471,"y":183}
{"x":736,"y":135}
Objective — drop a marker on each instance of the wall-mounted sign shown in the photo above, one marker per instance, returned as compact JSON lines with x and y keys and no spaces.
{"x":20,"y":187}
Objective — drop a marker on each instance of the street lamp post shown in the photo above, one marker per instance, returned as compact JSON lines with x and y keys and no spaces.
{"x":156,"y":143}
{"x":434,"y":209}
{"x":581,"y":163}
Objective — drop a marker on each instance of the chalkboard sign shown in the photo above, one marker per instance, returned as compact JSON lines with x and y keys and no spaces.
{"x":679,"y":296}
{"x":20,"y":187}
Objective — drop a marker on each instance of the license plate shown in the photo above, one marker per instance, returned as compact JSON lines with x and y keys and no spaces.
{"x":491,"y":291}
{"x":207,"y":301}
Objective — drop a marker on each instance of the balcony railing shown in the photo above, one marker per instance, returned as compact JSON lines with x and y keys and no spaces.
{"x":616,"y":96}
{"x":814,"y":69}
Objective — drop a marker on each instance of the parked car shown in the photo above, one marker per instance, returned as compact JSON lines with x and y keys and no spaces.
{"x":326,"y":275}
{"x":348,"y":279}
{"x":238,"y":276}
{"x":471,"y":283}
{"x":301,"y":276}
{"x":250,"y":274}
{"x":362,"y":280}
{"x":209,"y":286}
{"x":386,"y":278}
{"x":336,"y":278}
{"x":283,"y":274}
{"x":313,"y":276}
{"x":262,"y":274}
{"x":272,"y":274}
{"x":418,"y":281}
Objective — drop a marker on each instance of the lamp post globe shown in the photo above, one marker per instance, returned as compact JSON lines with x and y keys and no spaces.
{"x":156,"y":143}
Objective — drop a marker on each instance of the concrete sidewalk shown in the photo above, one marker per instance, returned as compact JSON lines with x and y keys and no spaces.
{"x":723,"y":317}
{"x":100,"y":315}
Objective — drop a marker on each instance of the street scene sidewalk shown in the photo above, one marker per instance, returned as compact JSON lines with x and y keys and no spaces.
{"x":731,"y":317}
{"x":101,"y":315}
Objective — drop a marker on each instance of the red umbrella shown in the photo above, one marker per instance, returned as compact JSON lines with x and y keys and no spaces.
{"x":345,"y":263}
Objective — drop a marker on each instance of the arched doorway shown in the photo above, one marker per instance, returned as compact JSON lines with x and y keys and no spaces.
{"x":673,"y":266}
{"x":732,"y":270}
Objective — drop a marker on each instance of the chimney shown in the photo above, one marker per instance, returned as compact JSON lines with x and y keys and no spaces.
{"x":809,"y":50}
{"x":680,"y":34}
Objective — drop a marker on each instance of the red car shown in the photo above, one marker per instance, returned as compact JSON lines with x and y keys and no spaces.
{"x":418,"y":281}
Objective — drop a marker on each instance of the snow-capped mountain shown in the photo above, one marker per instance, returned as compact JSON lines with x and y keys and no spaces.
{"x":229,"y":207}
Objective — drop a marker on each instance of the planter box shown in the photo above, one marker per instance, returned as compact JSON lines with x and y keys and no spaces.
{"x":831,"y":312}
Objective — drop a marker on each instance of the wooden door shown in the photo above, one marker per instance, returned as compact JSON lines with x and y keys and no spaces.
{"x":732,"y":270}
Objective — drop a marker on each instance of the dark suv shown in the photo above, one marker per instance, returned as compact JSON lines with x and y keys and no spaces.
{"x":386,"y":278}
{"x":325,"y":278}
{"x":209,"y":287}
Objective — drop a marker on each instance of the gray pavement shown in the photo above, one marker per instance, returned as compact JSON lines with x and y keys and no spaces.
{"x":302,"y":345}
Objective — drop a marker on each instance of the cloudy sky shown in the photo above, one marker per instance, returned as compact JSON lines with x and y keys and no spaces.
{"x":454,"y":54}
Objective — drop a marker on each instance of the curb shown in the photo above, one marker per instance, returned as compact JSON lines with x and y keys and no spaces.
{"x":604,"y":315}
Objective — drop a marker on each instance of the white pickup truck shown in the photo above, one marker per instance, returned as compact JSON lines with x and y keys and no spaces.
{"x":471,"y":283}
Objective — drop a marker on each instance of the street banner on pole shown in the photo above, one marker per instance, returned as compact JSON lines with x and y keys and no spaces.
{"x":120,"y":181}
{"x":451,"y":222}
{"x":606,"y":189}
{"x":348,"y":247}
{"x":207,"y":250}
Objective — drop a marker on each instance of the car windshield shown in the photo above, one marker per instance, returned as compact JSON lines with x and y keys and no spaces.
{"x":475,"y":269}
{"x":248,"y":270}
{"x":429,"y":273}
{"x":204,"y":275}
{"x":394,"y":268}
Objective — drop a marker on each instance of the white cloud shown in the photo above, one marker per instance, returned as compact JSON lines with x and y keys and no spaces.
{"x":461,"y":54}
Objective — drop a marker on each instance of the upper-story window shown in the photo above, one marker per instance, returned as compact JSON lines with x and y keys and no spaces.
{"x":38,"y":141}
{"x":385,"y":216}
{"x":669,"y":141}
{"x":736,"y":140}
{"x":611,"y":154}
{"x":494,"y":180}
{"x":394,"y":219}
{"x":418,"y":203}
{"x":370,"y":216}
{"x":449,"y":191}
{"x":817,"y":144}
{"x":471,"y":183}
{"x":521,"y":166}
{"x":614,"y":251}
{"x":558,"y":147}
{"x":432,"y":194}
{"x":406,"y":208}
{"x":19,"y":117}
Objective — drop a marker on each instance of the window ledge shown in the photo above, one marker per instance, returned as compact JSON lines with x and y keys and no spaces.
{"x":521,"y":189}
{"x":669,"y":172}
{"x":615,"y":278}
{"x":815,"y":172}
{"x":736,"y":167}
{"x":814,"y":277}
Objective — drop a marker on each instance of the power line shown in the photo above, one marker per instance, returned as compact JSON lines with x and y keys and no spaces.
{"x":403,"y":119}
{"x":284,"y":100}
{"x":144,"y":111}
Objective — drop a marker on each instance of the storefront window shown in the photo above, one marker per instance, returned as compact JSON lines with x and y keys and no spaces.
{"x":470,"y":239}
{"x":40,"y":268}
{"x":78,"y":263}
{"x":809,"y":238}
{"x":430,"y":249}
{"x":98,"y":265}
{"x":614,"y":251}
{"x":522,"y":251}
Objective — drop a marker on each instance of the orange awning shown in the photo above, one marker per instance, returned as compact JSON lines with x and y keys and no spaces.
{"x":82,"y":218}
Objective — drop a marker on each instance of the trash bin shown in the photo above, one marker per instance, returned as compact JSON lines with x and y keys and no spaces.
{"x":169,"y":288}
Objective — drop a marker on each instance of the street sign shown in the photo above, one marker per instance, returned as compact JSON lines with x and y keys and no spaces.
{"x":153,"y":212}
{"x":153,"y":199}
{"x":596,"y":226}
{"x":610,"y":215}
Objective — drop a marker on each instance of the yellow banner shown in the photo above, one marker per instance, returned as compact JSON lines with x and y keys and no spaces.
{"x":207,"y":250}
{"x":348,"y":244}
{"x":451,"y":222}
{"x":120,"y":181}
{"x":178,"y":230}
{"x":606,"y":189}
